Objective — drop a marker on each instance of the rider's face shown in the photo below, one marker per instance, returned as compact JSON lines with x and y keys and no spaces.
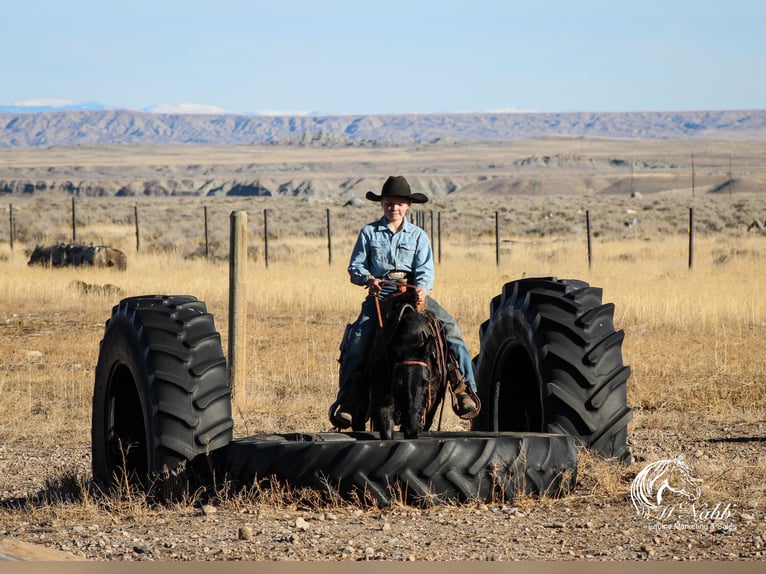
{"x":395,"y":209}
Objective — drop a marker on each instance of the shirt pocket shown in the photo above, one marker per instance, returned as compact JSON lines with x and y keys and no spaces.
{"x":380,"y":255}
{"x":405,"y":255}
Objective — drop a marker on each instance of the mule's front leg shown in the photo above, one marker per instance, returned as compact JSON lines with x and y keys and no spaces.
{"x":385,"y":422}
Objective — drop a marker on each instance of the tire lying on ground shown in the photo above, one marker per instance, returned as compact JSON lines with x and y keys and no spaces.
{"x":161,"y":396}
{"x":436,"y":467}
{"x":550,"y":360}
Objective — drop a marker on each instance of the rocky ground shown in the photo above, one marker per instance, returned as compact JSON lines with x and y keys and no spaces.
{"x":597,"y":521}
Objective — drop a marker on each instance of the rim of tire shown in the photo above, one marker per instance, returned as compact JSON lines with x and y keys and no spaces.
{"x":550,"y":360}
{"x":161,"y":394}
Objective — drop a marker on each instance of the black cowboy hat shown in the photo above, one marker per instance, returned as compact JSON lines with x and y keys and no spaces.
{"x":397,"y":186}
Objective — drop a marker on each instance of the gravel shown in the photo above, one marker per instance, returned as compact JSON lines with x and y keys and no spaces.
{"x":596,"y":522}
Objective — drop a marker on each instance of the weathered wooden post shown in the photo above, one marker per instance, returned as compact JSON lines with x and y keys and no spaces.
{"x":207,"y":240}
{"x":74,"y":222}
{"x":10,"y":225}
{"x":691,"y":237}
{"x":439,"y":233}
{"x":266,"y":237}
{"x":432,"y":227}
{"x":138,"y":234}
{"x":587,"y":231}
{"x":731,"y":182}
{"x":237,"y":302}
{"x":329,"y":238}
{"x":497,"y":240}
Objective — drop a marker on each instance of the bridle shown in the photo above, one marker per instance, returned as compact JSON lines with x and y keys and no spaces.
{"x":429,"y":398}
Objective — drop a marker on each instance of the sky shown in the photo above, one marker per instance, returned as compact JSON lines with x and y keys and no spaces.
{"x":385,"y":57}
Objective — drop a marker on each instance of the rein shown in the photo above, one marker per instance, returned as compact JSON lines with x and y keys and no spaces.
{"x":402,"y":288}
{"x":413,"y":362}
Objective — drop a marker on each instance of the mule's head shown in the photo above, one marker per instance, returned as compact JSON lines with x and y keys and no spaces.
{"x":411,"y":374}
{"x":410,"y":389}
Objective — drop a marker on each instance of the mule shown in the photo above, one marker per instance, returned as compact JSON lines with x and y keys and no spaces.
{"x":405,"y":383}
{"x":408,"y":369}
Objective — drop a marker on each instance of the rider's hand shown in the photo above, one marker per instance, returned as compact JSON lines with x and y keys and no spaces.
{"x":374,"y":286}
{"x":420,"y":295}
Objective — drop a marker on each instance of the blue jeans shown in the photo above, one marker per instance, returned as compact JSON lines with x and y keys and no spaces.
{"x":358,"y":338}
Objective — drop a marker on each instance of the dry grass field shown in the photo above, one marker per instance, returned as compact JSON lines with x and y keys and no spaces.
{"x":694,"y":340}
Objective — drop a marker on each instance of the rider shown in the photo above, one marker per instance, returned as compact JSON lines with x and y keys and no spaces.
{"x":393,"y":243}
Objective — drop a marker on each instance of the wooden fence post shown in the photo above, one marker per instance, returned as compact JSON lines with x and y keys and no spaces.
{"x":497,"y":240}
{"x":138,"y":234}
{"x":266,"y":237}
{"x":439,"y":234}
{"x":587,"y":230}
{"x":691,"y":237}
{"x":237,"y":302}
{"x":207,"y":239}
{"x":432,"y":227}
{"x":10,"y":225}
{"x":74,"y":222}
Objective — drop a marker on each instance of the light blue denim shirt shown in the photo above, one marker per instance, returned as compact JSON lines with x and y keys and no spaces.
{"x":378,"y":250}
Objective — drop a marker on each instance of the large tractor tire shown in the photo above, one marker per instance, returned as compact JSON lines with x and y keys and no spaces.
{"x":551,"y":361}
{"x":162,"y":401}
{"x":436,"y":467}
{"x":161,"y":397}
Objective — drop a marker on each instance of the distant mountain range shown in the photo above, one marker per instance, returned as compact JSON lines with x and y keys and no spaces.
{"x":71,"y":127}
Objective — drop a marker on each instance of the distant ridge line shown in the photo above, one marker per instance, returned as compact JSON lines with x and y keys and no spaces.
{"x":128,"y":127}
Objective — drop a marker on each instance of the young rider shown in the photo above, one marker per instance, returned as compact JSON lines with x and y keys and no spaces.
{"x":393,"y":243}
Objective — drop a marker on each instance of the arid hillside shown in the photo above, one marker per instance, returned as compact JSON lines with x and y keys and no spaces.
{"x":533,"y":167}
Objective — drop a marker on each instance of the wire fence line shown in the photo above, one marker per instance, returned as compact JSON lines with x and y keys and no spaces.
{"x":211,"y":231}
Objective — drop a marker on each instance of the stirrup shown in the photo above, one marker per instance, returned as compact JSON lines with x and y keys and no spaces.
{"x":340,"y":416}
{"x":465,"y":404}
{"x":460,"y":388}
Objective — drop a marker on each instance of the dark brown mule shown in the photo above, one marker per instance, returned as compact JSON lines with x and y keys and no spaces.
{"x":406,"y":369}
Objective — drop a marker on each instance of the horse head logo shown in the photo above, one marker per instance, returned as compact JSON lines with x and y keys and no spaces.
{"x":659,"y":480}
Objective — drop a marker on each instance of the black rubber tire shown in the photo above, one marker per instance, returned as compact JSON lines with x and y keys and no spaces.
{"x":161,"y":387}
{"x":551,"y":361}
{"x":436,"y":467}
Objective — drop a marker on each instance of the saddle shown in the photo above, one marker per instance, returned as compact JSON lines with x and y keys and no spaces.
{"x":449,"y":369}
